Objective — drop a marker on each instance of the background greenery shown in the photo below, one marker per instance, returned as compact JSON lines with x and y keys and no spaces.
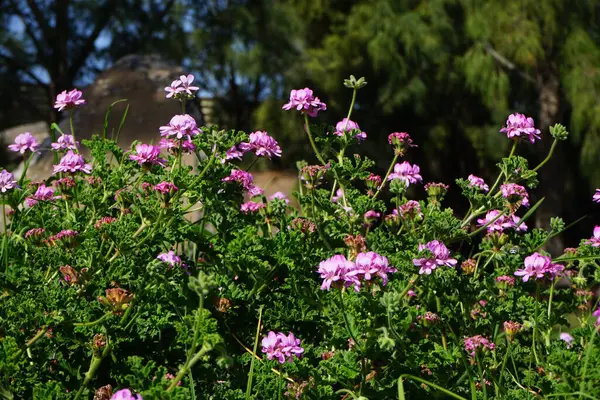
{"x":447,"y":71}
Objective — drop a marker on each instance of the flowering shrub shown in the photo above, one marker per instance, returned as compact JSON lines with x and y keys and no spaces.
{"x":131,"y":275}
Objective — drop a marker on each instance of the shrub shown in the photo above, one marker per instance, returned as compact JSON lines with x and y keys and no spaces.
{"x":133,"y":275}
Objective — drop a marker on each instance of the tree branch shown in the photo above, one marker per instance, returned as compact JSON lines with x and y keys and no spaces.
{"x":41,"y":21}
{"x":24,"y":68}
{"x":507,"y":63}
{"x":104,"y":15}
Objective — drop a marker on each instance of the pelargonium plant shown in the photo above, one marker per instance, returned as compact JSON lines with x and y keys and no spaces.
{"x":128,"y":274}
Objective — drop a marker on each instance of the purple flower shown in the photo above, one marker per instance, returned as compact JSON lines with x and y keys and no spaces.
{"x":371,"y":264}
{"x":68,"y":100}
{"x":475,"y":181}
{"x":401,"y":142}
{"x":7,"y":181}
{"x":407,"y":173}
{"x":520,"y":126}
{"x":181,"y":85}
{"x":245,"y":179}
{"x":126,"y":394}
{"x":279,"y":196}
{"x":72,"y":162}
{"x":477,"y":343}
{"x":594,"y":241}
{"x":173,"y":146}
{"x":338,"y":195}
{"x":304,"y":101}
{"x":596,"y":196}
{"x":181,"y":126}
{"x":23,"y":143}
{"x":515,"y":194}
{"x":333,"y":269}
{"x":568,"y":339}
{"x":537,"y":266}
{"x":251,"y":206}
{"x":147,"y":154}
{"x":43,"y":193}
{"x":501,"y":223}
{"x":281,"y":347}
{"x":347,"y":125}
{"x":165,"y":187}
{"x":371,"y":215}
{"x":410,"y":209}
{"x":65,"y":142}
{"x":438,"y":255}
{"x":35,"y":232}
{"x":262,"y":145}
{"x":170,"y":258}
{"x":232,"y":153}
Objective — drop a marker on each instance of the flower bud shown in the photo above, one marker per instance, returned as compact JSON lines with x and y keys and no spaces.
{"x":559,"y":132}
{"x":511,"y":328}
{"x":400,"y":141}
{"x":468,"y":266}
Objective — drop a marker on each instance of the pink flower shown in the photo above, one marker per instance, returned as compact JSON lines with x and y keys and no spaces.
{"x":68,"y":100}
{"x":7,"y":181}
{"x":595,"y":240}
{"x":254,"y":191}
{"x":438,"y":255}
{"x":173,"y":146}
{"x":347,"y":125}
{"x":262,"y":145}
{"x":35,"y":232}
{"x":596,"y":196}
{"x":165,"y":187}
{"x":568,"y":339}
{"x":232,"y":153}
{"x":407,"y":173}
{"x":126,"y":394}
{"x":104,"y":221}
{"x":72,"y":162}
{"x":338,"y":195}
{"x":251,"y":206}
{"x":147,"y":154}
{"x":181,"y":86}
{"x":43,"y":193}
{"x":180,"y":127}
{"x":279,"y":196}
{"x":304,"y":101}
{"x":410,"y":209}
{"x":371,"y":215}
{"x":371,"y":264}
{"x":245,"y":179}
{"x":23,"y":143}
{"x":520,"y":126}
{"x":281,"y":347}
{"x":401,"y":142}
{"x":477,"y":343}
{"x":515,"y":194}
{"x":537,"y":266}
{"x":169,"y":258}
{"x":334,"y":269}
{"x":65,"y":142}
{"x":475,"y":181}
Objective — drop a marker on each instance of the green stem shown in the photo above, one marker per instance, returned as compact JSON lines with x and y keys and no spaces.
{"x":188,"y":365}
{"x":547,"y":157}
{"x":410,"y":284}
{"x":389,"y":171}
{"x":401,"y":395}
{"x":279,"y":388}
{"x":4,"y":240}
{"x":25,"y":168}
{"x":504,"y":362}
{"x":251,"y":374}
{"x":550,"y":300}
{"x":480,"y":369}
{"x":512,"y":152}
{"x":346,"y":321}
{"x":312,"y":142}
{"x":30,"y":342}
{"x":587,"y":358}
{"x":96,"y":322}
{"x":94,"y":365}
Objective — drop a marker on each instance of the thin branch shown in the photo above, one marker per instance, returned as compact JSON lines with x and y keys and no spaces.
{"x":507,"y":63}
{"x":41,"y":20}
{"x":21,"y":67}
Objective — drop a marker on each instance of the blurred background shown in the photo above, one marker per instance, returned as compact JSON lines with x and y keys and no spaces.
{"x":449,"y":72}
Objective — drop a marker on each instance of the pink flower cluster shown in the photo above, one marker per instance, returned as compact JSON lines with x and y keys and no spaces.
{"x":594,"y":241}
{"x":181,"y":126}
{"x":245,"y":179}
{"x":500,"y":223}
{"x":366,"y":267}
{"x":126,"y":394}
{"x":65,"y":142}
{"x":477,"y":182}
{"x":170,"y":258}
{"x":515,"y":194}
{"x":279,"y":196}
{"x":181,"y":86}
{"x":596,"y":196}
{"x":147,"y":155}
{"x":538,"y":266}
{"x":347,"y":125}
{"x":7,"y":181}
{"x":409,"y":210}
{"x":25,"y":142}
{"x":409,"y":174}
{"x":251,"y":207}
{"x":68,"y":100}
{"x":72,"y":162}
{"x":281,"y":347}
{"x":477,"y":343}
{"x":174,"y":146}
{"x":35,"y":232}
{"x":438,"y":255}
{"x":519,"y":126}
{"x":165,"y":187}
{"x":42,"y":193}
{"x":304,"y":101}
{"x":260,"y":143}
{"x":401,"y":142}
